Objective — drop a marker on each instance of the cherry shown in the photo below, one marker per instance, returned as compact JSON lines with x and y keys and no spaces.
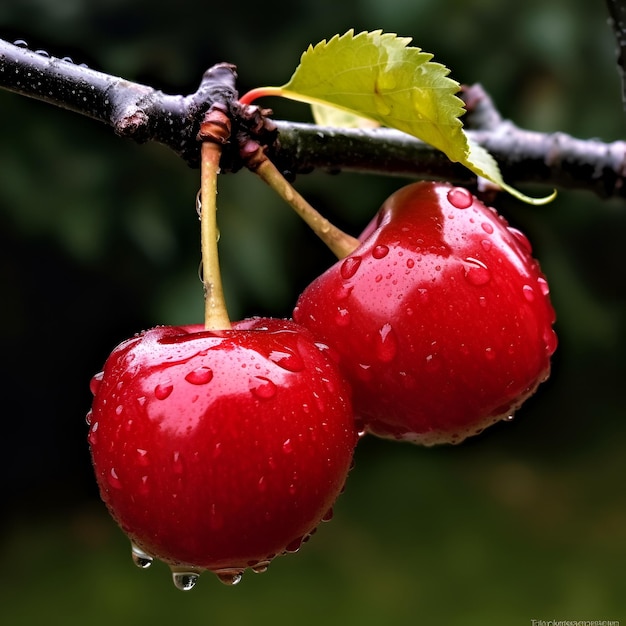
{"x":441,"y":318}
{"x":220,"y":449}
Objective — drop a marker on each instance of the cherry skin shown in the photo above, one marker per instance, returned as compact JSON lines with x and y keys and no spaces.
{"x":441,"y":318}
{"x":218,"y":450}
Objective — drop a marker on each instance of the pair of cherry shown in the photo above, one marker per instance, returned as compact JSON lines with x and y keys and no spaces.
{"x":219,"y":450}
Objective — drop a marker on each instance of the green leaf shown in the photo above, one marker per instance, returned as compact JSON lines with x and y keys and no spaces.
{"x":378,"y":76}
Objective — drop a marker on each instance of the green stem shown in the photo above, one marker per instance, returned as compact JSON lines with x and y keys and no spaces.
{"x":339,"y":242}
{"x":215,"y":313}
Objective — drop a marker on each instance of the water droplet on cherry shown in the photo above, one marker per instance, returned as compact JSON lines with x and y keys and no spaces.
{"x":88,"y":417}
{"x":287,"y":446}
{"x":140,"y":558}
{"x":342,"y":317}
{"x":289,"y":361}
{"x":529,"y":293}
{"x":263,"y":388}
{"x":113,"y":479}
{"x":350,"y":266}
{"x":163,"y":390}
{"x":550,"y":341}
{"x":142,"y":457}
{"x":343,"y":292}
{"x":490,"y":353}
{"x":543,"y":286}
{"x":380,"y":252}
{"x":487,"y":227}
{"x":521,"y":239}
{"x":260,"y":567}
{"x":229,"y":577}
{"x":476,"y":272}
{"x":486,"y":245}
{"x":95,"y":382}
{"x":460,"y":198}
{"x":92,"y":437}
{"x":200,"y":376}
{"x":386,"y":343}
{"x":185,"y":581}
{"x":328,"y":515}
{"x":410,"y":263}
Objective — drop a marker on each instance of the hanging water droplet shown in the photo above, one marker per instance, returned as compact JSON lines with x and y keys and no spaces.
{"x":140,"y":558}
{"x":42,"y":53}
{"x":328,"y":515}
{"x":95,"y":382}
{"x":260,"y":567}
{"x":263,"y":388}
{"x":200,"y":376}
{"x":460,"y":198}
{"x":20,"y":43}
{"x":163,"y":390}
{"x":380,"y":252}
{"x":88,"y":417}
{"x":476,"y":272}
{"x":386,"y":343}
{"x":185,"y":581}
{"x":550,"y":341}
{"x":509,"y":418}
{"x":229,"y":576}
{"x":350,"y":266}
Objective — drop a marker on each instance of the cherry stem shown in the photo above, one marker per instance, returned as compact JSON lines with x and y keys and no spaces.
{"x":340,"y":243}
{"x":215,"y":312}
{"x":260,"y":92}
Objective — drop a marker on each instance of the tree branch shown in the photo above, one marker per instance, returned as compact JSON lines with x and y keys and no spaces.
{"x":143,"y":113}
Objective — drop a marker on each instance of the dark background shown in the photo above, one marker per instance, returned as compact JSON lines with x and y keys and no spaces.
{"x":99,"y":239}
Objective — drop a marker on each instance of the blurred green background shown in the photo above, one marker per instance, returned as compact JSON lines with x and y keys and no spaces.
{"x":99,"y":239}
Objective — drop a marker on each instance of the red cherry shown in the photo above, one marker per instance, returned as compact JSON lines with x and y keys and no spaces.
{"x":218,"y":450}
{"x":441,"y":317}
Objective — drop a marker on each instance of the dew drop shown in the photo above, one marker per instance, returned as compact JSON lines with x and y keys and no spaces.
{"x":140,"y":558}
{"x":95,"y":382}
{"x":380,"y":252}
{"x":163,"y":390}
{"x":229,"y":577}
{"x":486,"y":245}
{"x":142,"y":457}
{"x":262,"y":485}
{"x":177,"y":463}
{"x":487,"y":227}
{"x":550,"y":340}
{"x":113,"y":479}
{"x":509,"y":418}
{"x":328,"y":515}
{"x":460,"y":198}
{"x":521,"y":239}
{"x":342,"y":317}
{"x":289,"y":361}
{"x":263,"y":388}
{"x":350,"y":266}
{"x":20,"y":43}
{"x":476,"y":272}
{"x":42,"y":53}
{"x":543,"y":286}
{"x":260,"y":567}
{"x":92,"y":438}
{"x":119,"y":409}
{"x":295,"y":545}
{"x":386,"y":343}
{"x":287,"y":446}
{"x":410,"y":263}
{"x":200,"y":376}
{"x":185,"y":581}
{"x":343,"y":292}
{"x":88,"y":417}
{"x":490,"y":353}
{"x":529,"y":293}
